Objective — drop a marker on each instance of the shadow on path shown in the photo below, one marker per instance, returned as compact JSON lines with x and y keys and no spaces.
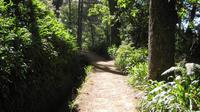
{"x":99,"y":63}
{"x":106,"y":89}
{"x":107,"y":69}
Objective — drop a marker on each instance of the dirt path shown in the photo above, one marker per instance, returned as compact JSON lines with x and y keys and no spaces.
{"x":106,"y":90}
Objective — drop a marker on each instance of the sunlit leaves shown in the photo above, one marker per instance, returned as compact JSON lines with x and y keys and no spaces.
{"x":123,"y":3}
{"x":182,"y":94}
{"x":134,"y":11}
{"x":194,"y":1}
{"x":98,"y":9}
{"x":4,"y":6}
{"x":182,"y":13}
{"x":17,"y":37}
{"x":138,"y":74}
{"x":132,"y":61}
{"x":103,"y":10}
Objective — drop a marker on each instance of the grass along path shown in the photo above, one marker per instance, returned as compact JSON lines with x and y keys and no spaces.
{"x":106,"y":90}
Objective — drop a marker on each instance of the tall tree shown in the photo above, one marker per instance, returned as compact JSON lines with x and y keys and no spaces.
{"x":80,"y":17}
{"x":69,"y":13}
{"x":115,"y":23}
{"x":162,"y":23}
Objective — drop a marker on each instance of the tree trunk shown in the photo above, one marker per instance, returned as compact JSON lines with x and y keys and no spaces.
{"x":79,"y":30}
{"x":115,"y":24}
{"x":57,"y":4}
{"x":162,"y":23}
{"x":107,"y":33}
{"x":69,"y":14}
{"x":92,"y":30}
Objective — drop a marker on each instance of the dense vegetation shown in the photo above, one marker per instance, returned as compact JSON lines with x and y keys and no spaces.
{"x":132,"y":61}
{"x":181,"y":94}
{"x":40,"y":42}
{"x":179,"y":89}
{"x":38,"y":64}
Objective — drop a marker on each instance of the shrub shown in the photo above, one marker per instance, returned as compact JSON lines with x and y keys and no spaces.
{"x":138,"y":56}
{"x":112,"y":51}
{"x":38,"y":61}
{"x":127,"y":56}
{"x":138,"y":74}
{"x":132,"y":61}
{"x":182,"y":94}
{"x":123,"y":56}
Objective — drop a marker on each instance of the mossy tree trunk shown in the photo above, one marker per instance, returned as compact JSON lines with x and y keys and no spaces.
{"x":162,"y":24}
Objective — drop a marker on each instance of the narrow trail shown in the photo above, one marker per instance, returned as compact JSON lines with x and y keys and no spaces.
{"x":106,"y":90}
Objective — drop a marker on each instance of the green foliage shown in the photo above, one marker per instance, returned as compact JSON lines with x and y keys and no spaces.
{"x":88,"y":69}
{"x":132,"y":61}
{"x":123,"y":3}
{"x":128,"y":56}
{"x":182,"y":95}
{"x":69,"y":17}
{"x":37,"y":56}
{"x":134,"y":19}
{"x":112,"y":51}
{"x":123,"y":56}
{"x":101,"y":10}
{"x":138,"y":74}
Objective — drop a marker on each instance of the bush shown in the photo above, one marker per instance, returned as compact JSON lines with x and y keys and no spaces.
{"x":128,"y":56}
{"x":132,"y":61}
{"x":112,"y":51}
{"x":123,"y":56}
{"x":138,"y":74}
{"x":38,"y":62}
{"x":180,"y":95}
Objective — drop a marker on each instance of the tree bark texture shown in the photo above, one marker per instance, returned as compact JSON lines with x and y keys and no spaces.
{"x":162,"y":24}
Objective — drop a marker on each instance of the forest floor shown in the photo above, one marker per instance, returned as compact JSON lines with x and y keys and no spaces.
{"x":106,"y":89}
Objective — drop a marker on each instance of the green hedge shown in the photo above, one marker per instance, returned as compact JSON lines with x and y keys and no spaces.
{"x":38,"y":59}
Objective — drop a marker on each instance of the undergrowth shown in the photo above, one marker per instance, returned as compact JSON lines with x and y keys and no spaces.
{"x":132,"y":61}
{"x":38,"y":58}
{"x":182,"y":94}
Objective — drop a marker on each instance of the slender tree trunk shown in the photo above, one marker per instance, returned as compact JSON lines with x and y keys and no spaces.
{"x":69,"y":13}
{"x":79,"y":30}
{"x":162,"y":23}
{"x":189,"y":34}
{"x":107,"y":32}
{"x":36,"y":39}
{"x":92,"y":31}
{"x":191,"y":19}
{"x":115,"y":24}
{"x":57,"y":4}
